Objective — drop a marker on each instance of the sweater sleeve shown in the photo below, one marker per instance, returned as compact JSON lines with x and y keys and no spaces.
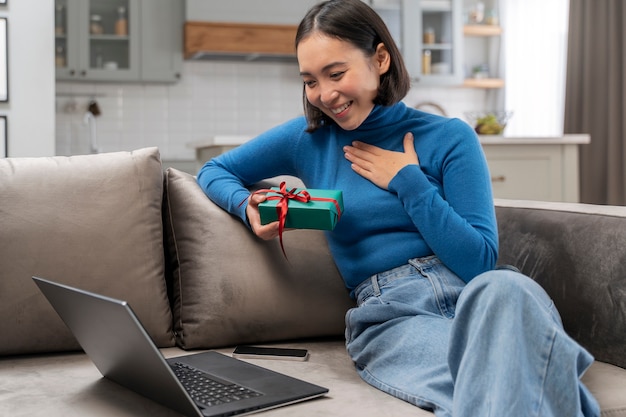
{"x":452,"y":205}
{"x":224,"y":178}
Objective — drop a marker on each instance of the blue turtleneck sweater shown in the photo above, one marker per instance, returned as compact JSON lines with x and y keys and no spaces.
{"x":443,"y":206}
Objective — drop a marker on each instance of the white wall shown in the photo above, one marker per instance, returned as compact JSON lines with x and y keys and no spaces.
{"x":30,"y":109}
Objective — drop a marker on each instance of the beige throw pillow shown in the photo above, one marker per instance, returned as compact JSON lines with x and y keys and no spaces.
{"x":232,"y":288}
{"x":90,"y":221}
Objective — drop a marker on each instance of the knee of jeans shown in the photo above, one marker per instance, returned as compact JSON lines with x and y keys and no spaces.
{"x":501,"y":274}
{"x":504,"y":286}
{"x":508,"y":267}
{"x":497,"y":284}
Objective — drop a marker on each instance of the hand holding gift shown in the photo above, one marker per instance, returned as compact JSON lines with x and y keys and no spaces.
{"x":300,"y":208}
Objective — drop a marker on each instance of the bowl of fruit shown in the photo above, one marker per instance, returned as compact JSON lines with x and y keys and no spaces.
{"x":488,"y":122}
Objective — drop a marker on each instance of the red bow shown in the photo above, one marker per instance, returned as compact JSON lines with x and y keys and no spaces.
{"x":283,"y":204}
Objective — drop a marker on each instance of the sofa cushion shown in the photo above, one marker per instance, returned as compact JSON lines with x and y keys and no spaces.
{"x":229,"y":287}
{"x":90,"y":221}
{"x":577,"y":252}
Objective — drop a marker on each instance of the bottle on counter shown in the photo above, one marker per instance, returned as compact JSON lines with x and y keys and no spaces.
{"x":426,"y":62}
{"x":121,"y":24}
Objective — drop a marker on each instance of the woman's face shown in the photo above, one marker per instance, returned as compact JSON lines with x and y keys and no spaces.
{"x":339,"y":78}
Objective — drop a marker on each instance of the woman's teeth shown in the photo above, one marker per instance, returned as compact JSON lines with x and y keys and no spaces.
{"x":340,"y":109}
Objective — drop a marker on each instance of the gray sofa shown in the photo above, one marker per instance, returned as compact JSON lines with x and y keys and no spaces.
{"x":198,"y":279}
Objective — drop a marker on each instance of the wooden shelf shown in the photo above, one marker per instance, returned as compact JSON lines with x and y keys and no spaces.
{"x":483,"y":83}
{"x":482,"y":30}
{"x":238,"y":39}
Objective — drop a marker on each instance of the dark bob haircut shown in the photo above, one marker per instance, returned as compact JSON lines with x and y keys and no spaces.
{"x":355,"y":22}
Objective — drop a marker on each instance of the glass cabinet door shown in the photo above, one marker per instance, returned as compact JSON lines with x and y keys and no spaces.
{"x":110,"y":45}
{"x":97,"y":39}
{"x":440,"y":35}
{"x":429,"y":34}
{"x":65,"y":40}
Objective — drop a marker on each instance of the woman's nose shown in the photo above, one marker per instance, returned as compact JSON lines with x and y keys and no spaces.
{"x":327,"y":94}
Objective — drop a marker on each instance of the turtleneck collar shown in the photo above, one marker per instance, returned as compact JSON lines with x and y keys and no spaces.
{"x":382,"y":116}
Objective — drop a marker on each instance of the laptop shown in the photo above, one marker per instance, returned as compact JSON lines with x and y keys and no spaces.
{"x":111,"y":335}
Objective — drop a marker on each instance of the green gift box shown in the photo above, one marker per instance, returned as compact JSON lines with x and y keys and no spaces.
{"x":321,"y":211}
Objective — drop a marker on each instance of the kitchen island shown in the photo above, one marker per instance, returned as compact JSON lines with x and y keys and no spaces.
{"x":524,"y":168}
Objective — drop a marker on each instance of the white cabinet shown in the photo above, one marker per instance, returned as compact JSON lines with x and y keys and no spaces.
{"x":161,"y":54}
{"x":118,"y":40}
{"x":543,"y":169}
{"x":284,"y":12}
{"x":90,"y":45}
{"x":429,"y":34}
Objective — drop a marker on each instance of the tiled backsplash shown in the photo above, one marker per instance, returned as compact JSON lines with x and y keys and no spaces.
{"x":212,"y":98}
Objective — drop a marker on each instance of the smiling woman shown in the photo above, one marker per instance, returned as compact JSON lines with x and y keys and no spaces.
{"x":417,"y":242}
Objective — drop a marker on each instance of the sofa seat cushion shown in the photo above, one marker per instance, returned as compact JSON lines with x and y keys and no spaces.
{"x":69,"y":385}
{"x":90,"y":221}
{"x":229,"y":287}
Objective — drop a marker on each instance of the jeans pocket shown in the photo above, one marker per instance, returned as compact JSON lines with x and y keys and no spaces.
{"x":446,"y":285}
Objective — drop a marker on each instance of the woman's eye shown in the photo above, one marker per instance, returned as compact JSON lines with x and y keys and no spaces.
{"x":336,"y":75}
{"x":309,"y":83}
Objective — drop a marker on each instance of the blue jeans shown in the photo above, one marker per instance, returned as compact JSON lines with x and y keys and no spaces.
{"x":493,"y":347}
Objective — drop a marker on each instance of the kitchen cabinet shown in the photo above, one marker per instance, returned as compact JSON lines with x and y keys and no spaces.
{"x":161,"y":40}
{"x":118,"y":40}
{"x":265,"y":12}
{"x":543,"y":169}
{"x":428,"y":33}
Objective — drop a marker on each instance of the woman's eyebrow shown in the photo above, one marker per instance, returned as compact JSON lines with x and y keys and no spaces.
{"x":326,"y":68}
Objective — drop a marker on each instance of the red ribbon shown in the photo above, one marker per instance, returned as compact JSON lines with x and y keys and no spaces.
{"x":282,"y":207}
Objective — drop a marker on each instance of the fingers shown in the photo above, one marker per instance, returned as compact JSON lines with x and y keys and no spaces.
{"x":267,"y":231}
{"x":379,"y":165}
{"x":264,"y":231}
{"x":408,"y":143}
{"x":409,"y":146}
{"x":362,"y":152}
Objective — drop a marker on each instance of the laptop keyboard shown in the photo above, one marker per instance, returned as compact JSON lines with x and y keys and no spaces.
{"x":208,"y":390}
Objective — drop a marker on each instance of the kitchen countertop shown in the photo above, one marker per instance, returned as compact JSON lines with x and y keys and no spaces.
{"x":580,"y":139}
{"x":574,"y":139}
{"x":220,"y":140}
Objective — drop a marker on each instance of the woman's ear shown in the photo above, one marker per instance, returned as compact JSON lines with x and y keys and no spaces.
{"x":383,"y":59}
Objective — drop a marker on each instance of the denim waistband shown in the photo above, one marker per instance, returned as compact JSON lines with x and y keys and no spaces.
{"x":377,"y":280}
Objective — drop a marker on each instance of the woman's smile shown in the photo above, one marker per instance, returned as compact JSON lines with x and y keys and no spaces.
{"x":339,"y":111}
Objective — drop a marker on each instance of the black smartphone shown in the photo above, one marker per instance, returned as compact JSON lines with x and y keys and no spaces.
{"x":258,"y":352}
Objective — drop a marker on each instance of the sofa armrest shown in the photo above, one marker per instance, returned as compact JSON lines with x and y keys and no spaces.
{"x":577,"y":252}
